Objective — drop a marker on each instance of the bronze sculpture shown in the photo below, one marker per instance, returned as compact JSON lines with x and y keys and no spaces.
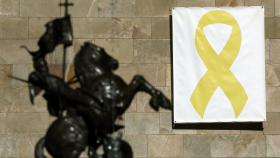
{"x":86,"y":115}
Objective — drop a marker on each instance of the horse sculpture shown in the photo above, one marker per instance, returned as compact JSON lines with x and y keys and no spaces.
{"x":86,"y":115}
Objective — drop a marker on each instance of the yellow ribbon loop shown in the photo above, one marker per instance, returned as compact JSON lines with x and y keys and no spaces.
{"x":218,"y":65}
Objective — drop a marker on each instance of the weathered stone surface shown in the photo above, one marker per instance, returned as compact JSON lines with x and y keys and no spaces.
{"x":138,"y":143}
{"x":109,"y":8}
{"x":27,"y":122}
{"x":21,"y":71}
{"x":238,"y":146}
{"x":272,"y":126}
{"x":141,"y":123}
{"x":277,"y":8}
{"x":7,"y":146}
{"x":17,"y":100}
{"x":161,"y":28}
{"x":5,"y":71}
{"x":197,"y":145}
{"x":272,"y":74}
{"x":233,"y":3}
{"x":273,"y":99}
{"x":165,"y":146}
{"x":112,"y":27}
{"x":275,"y":51}
{"x":168,"y":75}
{"x":272,"y":27}
{"x":158,"y":8}
{"x":11,"y":53}
{"x":151,"y":51}
{"x":3,"y":119}
{"x":208,"y":132}
{"x":13,"y":28}
{"x":267,"y":50}
{"x":269,"y":6}
{"x":143,"y":100}
{"x":39,"y":8}
{"x":195,"y":3}
{"x":273,"y":145}
{"x":9,"y":7}
{"x":224,"y":146}
{"x":120,"y":49}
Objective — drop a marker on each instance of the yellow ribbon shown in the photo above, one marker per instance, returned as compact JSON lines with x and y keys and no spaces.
{"x":218,"y":65}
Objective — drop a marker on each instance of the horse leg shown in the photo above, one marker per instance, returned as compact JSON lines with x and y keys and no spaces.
{"x":140,"y":84}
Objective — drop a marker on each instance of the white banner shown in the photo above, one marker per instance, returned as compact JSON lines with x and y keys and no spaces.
{"x":218,"y":64}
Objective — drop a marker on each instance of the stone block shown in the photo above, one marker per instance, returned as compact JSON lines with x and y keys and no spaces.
{"x":108,"y":8}
{"x":272,"y":28}
{"x":197,"y":145}
{"x":27,"y":123}
{"x":275,"y":51}
{"x":232,"y":3}
{"x":11,"y":53}
{"x":5,"y":71}
{"x":21,"y":71}
{"x":40,"y":8}
{"x":120,"y":49}
{"x":165,"y":146}
{"x":238,"y":146}
{"x":273,"y":99}
{"x":7,"y":146}
{"x":138,"y":143}
{"x":277,"y":8}
{"x":141,"y":123}
{"x":195,"y":3}
{"x":272,"y":126}
{"x":267,"y":50}
{"x":168,"y":75}
{"x":161,"y":28}
{"x":224,"y":146}
{"x":13,"y":28}
{"x":112,"y":27}
{"x":272,"y":74}
{"x":9,"y":7}
{"x":269,"y":6}
{"x":152,"y":51}
{"x":273,"y":145}
{"x":154,"y":8}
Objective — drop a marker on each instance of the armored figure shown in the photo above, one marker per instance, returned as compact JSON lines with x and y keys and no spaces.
{"x":86,"y":115}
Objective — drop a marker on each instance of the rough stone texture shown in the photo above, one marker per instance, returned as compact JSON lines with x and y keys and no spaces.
{"x":39,"y":8}
{"x":272,"y":27}
{"x":13,"y":28}
{"x":142,"y":123}
{"x":271,"y":126}
{"x":232,"y":3}
{"x":161,"y":28}
{"x":273,"y":145}
{"x":138,"y":143}
{"x":152,"y":51}
{"x":137,"y":33}
{"x":112,"y":27}
{"x":9,"y":7}
{"x":224,"y":146}
{"x":165,"y":145}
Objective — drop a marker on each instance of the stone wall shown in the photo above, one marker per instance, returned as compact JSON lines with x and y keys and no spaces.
{"x":136,"y":32}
